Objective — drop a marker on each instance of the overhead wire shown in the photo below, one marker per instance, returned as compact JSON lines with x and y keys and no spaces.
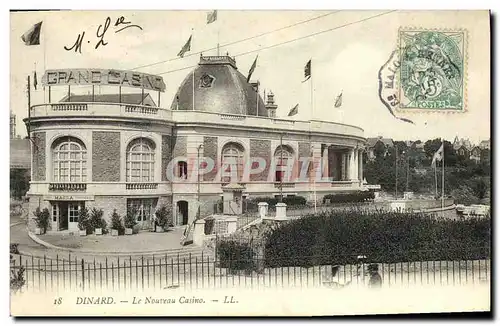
{"x":238,"y":41}
{"x":292,"y":40}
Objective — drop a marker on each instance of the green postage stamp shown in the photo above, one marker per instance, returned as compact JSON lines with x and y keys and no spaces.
{"x":432,"y":74}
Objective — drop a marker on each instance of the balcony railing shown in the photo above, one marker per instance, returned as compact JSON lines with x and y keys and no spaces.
{"x":284,"y":185}
{"x":69,"y":107}
{"x":67,"y":186}
{"x":140,"y":109}
{"x":85,"y":109}
{"x":141,"y":186}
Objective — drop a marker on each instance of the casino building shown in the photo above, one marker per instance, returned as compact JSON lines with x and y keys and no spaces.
{"x":114,"y":151}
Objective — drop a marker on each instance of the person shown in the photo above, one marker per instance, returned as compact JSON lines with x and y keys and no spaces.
{"x":375,"y":279}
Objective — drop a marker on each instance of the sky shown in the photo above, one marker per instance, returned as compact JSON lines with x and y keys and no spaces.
{"x":345,"y":58}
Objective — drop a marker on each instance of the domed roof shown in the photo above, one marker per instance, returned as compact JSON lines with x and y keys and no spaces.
{"x":218,"y":87}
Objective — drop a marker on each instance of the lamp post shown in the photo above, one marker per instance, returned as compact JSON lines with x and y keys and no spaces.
{"x":281,"y":168}
{"x":407,"y":170}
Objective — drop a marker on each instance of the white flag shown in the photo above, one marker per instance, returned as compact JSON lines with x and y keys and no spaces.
{"x":438,"y":156}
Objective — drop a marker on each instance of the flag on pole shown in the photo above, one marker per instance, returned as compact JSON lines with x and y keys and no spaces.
{"x":294,"y":110}
{"x":307,"y":71}
{"x":185,"y":48}
{"x":32,"y":36}
{"x":35,"y":82}
{"x":252,"y":68}
{"x":438,"y":156}
{"x":211,"y":17}
{"x":338,"y":101}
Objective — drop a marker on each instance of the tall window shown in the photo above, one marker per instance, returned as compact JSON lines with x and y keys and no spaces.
{"x":232,"y":162}
{"x":283,"y":157}
{"x":144,"y":208}
{"x":140,"y":160}
{"x":69,"y":160}
{"x":182,"y":169}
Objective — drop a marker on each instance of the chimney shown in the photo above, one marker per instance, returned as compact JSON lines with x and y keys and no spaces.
{"x":270,"y":106}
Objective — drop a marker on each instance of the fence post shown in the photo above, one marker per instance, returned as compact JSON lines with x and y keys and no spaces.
{"x":83,"y":275}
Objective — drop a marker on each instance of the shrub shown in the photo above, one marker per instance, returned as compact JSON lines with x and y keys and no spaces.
{"x":14,"y":248}
{"x":84,"y":221}
{"x":235,"y":256}
{"x":209,"y":225}
{"x":164,"y":216}
{"x":116,"y":223}
{"x":338,"y":237}
{"x":291,"y":201}
{"x":42,"y":218}
{"x":17,"y":279}
{"x":95,"y":221}
{"x":130,"y":219}
{"x":464,"y":195}
{"x":352,"y":197}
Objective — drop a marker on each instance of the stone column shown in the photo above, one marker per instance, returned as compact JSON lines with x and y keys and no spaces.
{"x":351,"y":165}
{"x":263,"y":209}
{"x":324,"y":162}
{"x":360,"y":166}
{"x":343,"y":175}
{"x":232,"y":223}
{"x":280,"y":211}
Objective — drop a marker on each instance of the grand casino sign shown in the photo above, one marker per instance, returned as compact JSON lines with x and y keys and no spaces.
{"x":115,"y":77}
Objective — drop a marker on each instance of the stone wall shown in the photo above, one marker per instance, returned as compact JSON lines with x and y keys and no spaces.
{"x":210,"y":149}
{"x":262,"y":149}
{"x":108,"y":204}
{"x":180,"y":146}
{"x":106,"y":153}
{"x":38,"y":160}
{"x":166,"y":155}
{"x":304,"y":151}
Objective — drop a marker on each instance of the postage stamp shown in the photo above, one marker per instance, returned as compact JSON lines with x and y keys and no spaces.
{"x":432,"y":74}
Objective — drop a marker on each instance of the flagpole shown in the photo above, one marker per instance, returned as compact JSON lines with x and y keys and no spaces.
{"x":312,"y":93}
{"x":29,"y":108}
{"x":442,"y":190}
{"x":192,"y":35}
{"x":436,"y":178}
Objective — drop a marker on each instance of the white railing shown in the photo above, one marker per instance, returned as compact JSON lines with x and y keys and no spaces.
{"x":69,"y":107}
{"x":99,"y":109}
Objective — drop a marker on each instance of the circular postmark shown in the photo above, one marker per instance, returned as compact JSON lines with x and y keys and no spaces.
{"x":431,"y":71}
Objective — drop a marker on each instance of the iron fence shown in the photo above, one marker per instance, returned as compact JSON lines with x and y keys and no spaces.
{"x":196,"y":272}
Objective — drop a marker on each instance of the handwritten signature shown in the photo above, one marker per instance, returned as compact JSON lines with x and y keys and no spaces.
{"x":101,"y":33}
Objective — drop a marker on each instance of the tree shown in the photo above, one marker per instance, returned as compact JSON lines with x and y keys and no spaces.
{"x":432,"y":146}
{"x":379,"y":150}
{"x":19,"y":182}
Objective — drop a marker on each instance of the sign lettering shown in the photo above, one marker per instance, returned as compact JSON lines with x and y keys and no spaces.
{"x":103,"y":77}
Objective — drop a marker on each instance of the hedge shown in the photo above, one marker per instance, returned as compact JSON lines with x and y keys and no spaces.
{"x":293,"y":201}
{"x":235,"y":256}
{"x":352,"y":197}
{"x":338,"y":237}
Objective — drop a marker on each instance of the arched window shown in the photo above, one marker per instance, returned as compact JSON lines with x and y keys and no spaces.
{"x":69,"y":160}
{"x":140,"y":160}
{"x":232,"y":162}
{"x":283,"y":157}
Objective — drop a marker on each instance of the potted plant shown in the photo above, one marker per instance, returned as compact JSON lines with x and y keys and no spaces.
{"x":130,"y":220}
{"x":163,"y":218}
{"x":96,"y":220}
{"x":41,"y":220}
{"x":116,"y":224}
{"x":83,"y":221}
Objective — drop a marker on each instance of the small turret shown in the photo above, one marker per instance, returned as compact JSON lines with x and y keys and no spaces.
{"x":270,"y":106}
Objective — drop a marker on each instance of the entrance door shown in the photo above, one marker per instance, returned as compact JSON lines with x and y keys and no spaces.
{"x":73,"y":212}
{"x":60,"y":215}
{"x":182,"y":212}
